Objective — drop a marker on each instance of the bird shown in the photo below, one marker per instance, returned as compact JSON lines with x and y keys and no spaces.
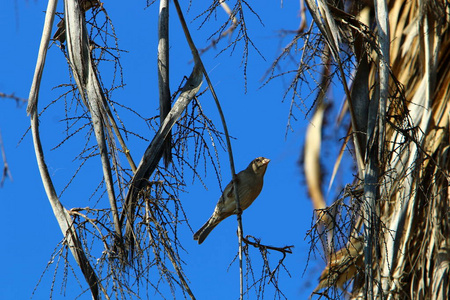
{"x":249,"y":185}
{"x":85,"y":5}
{"x":343,"y":265}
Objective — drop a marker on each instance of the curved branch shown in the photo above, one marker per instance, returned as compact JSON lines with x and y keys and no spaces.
{"x":65,"y":222}
{"x":199,"y":62}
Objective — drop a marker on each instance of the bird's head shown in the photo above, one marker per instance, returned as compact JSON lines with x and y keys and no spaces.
{"x":259,"y":165}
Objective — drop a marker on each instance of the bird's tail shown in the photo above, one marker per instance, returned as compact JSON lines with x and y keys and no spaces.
{"x":203,"y":232}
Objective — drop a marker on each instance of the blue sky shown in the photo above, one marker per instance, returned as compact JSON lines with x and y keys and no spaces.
{"x":257,"y":119}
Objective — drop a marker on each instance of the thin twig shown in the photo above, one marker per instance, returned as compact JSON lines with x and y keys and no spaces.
{"x":227,"y":137}
{"x":257,"y":244}
{"x":14,"y":97}
{"x":165,"y":240}
{"x":6,"y":171}
{"x":227,"y":32}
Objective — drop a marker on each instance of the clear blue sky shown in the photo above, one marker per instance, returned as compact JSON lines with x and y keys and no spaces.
{"x":257,"y":119}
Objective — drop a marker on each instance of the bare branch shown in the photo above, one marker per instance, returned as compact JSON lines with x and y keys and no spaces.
{"x":14,"y":97}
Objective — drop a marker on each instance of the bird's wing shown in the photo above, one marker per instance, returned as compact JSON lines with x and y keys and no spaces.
{"x":229,"y":190}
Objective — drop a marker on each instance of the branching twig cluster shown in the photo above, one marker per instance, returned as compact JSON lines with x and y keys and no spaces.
{"x":19,"y":100}
{"x":269,"y":275}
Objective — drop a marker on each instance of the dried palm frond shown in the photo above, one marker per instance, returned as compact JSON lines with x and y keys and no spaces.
{"x":405,"y":143}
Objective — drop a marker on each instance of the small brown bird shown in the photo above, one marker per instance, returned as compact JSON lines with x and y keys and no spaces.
{"x":249,"y":184}
{"x":85,"y":5}
{"x":343,"y":265}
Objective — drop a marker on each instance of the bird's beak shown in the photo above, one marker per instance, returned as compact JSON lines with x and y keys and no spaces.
{"x":266,"y":161}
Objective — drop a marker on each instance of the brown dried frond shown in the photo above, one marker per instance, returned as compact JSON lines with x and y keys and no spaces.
{"x":413,"y":173}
